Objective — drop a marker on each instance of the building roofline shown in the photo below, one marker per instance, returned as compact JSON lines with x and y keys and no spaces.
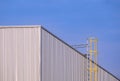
{"x":37,"y":26}
{"x":19,"y":26}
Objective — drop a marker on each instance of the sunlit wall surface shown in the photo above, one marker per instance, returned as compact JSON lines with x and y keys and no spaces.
{"x":31,"y":53}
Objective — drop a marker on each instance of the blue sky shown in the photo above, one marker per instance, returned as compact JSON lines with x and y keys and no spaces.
{"x":73,"y":21}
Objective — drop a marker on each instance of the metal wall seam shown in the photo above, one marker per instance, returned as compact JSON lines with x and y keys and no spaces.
{"x":1,"y":53}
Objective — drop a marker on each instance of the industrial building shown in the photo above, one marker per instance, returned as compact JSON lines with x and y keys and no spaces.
{"x":31,"y":53}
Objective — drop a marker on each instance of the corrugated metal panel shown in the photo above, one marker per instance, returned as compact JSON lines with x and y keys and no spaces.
{"x":60,"y":62}
{"x":22,"y":60}
{"x":20,"y":54}
{"x":99,"y":74}
{"x":105,"y":76}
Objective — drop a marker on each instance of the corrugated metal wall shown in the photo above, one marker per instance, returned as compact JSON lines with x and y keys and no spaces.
{"x":61,"y":63}
{"x":34,"y":54}
{"x":20,"y":54}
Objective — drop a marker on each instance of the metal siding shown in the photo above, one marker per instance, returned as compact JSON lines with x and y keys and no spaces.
{"x":99,"y":74}
{"x":22,"y":59}
{"x":105,"y":76}
{"x":20,"y":54}
{"x":108,"y":77}
{"x":61,"y":63}
{"x":85,"y":70}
